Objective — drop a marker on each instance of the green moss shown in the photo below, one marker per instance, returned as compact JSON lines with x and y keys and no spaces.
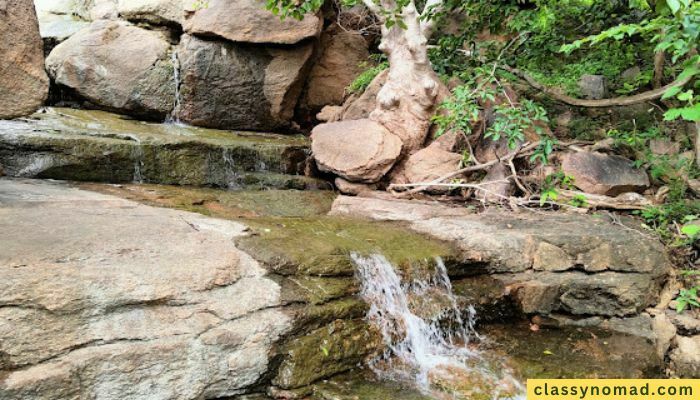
{"x":574,"y":353}
{"x":226,"y":204}
{"x":322,"y":245}
{"x":105,"y":124}
{"x":325,"y":352}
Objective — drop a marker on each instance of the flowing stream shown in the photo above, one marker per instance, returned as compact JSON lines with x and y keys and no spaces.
{"x":427,"y":349}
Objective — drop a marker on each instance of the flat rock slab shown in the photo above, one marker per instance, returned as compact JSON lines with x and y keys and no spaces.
{"x":103,"y":147}
{"x":547,"y":262}
{"x":94,"y":302}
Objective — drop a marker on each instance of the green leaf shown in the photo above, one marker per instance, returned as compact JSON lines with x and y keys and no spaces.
{"x":691,"y":230}
{"x":671,"y":92}
{"x":685,"y":96}
{"x":691,"y":113}
{"x":674,"y":5}
{"x":672,"y":114}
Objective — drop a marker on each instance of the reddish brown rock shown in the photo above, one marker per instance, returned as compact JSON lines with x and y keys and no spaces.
{"x":249,"y":21}
{"x":609,"y":175}
{"x":360,"y":105}
{"x":357,"y":150}
{"x":427,"y":165}
{"x":337,"y":66}
{"x":23,"y":81}
{"x":497,"y":185}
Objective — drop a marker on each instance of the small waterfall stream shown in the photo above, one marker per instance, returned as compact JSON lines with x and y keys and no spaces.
{"x":173,"y":117}
{"x":232,"y":175}
{"x":423,"y":349}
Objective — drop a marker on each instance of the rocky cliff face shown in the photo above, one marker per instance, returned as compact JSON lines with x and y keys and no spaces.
{"x":229,"y":65}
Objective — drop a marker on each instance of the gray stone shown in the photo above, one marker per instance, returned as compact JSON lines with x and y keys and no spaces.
{"x":685,"y":358}
{"x":630,"y":74}
{"x":91,"y":62}
{"x":162,"y":12}
{"x":238,"y":86}
{"x":103,"y":147}
{"x":594,"y":87}
{"x":604,"y":174}
{"x":23,"y":82}
{"x":93,"y":301}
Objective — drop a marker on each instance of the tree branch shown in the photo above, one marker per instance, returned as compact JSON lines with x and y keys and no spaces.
{"x":616,"y":102}
{"x":372,"y":6}
{"x":427,"y":17}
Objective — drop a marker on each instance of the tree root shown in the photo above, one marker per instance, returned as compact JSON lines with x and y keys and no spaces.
{"x":616,"y":102}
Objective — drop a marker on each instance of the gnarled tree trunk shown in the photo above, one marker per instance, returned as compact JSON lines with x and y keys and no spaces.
{"x":408,"y":100}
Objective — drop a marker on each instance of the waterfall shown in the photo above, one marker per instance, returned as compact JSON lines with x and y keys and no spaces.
{"x":137,"y":154}
{"x":173,"y":117}
{"x":232,"y":176}
{"x":419,"y":348}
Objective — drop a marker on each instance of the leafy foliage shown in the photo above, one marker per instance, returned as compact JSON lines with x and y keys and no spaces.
{"x":511,"y":119}
{"x":367,"y":76}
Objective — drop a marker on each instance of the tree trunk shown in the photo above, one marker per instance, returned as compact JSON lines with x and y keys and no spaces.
{"x":659,"y":61}
{"x":697,"y":143}
{"x":409,"y":98}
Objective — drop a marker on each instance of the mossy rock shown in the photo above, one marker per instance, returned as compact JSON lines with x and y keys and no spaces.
{"x":234,"y":204}
{"x":574,"y":353}
{"x":102,"y":147}
{"x":325,"y":352}
{"x":322,"y":246}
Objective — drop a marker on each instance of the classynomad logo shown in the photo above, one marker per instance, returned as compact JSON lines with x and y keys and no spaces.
{"x":613,"y":389}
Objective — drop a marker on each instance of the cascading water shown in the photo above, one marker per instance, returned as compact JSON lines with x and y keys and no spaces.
{"x":232,"y":175}
{"x":173,"y":116}
{"x":423,"y":349}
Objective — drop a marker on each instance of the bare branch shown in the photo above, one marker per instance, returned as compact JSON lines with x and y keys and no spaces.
{"x":372,"y":6}
{"x":431,"y":8}
{"x":616,"y":102}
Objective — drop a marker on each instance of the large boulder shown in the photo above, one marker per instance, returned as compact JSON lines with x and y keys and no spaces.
{"x":248,"y":21}
{"x":337,"y":66}
{"x":117,"y":66}
{"x":357,"y":150}
{"x":599,"y":173}
{"x":94,"y":303}
{"x":160,"y":12}
{"x":23,"y":82}
{"x":239,"y":86}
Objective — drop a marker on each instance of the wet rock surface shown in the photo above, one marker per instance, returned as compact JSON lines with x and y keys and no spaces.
{"x":574,"y":264}
{"x":103,"y":147}
{"x":23,"y":82}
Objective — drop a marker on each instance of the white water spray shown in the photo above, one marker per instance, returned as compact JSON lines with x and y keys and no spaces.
{"x":419,"y":348}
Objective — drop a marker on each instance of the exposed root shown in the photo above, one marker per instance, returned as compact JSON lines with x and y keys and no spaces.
{"x":616,"y":102}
